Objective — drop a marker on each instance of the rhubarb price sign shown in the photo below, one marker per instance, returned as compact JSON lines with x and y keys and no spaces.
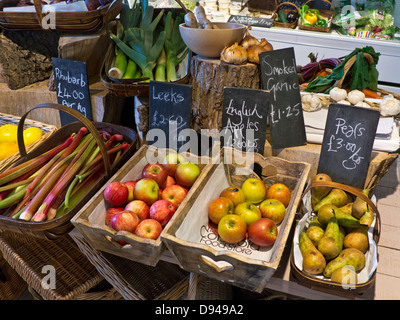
{"x":72,"y":88}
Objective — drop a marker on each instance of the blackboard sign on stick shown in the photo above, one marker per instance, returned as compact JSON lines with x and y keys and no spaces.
{"x":244,"y":119}
{"x":279,"y":77}
{"x":169,"y":111}
{"x":347,"y":144}
{"x":72,"y":88}
{"x":251,"y":21}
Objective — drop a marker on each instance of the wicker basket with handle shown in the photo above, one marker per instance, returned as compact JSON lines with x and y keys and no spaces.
{"x":280,"y":24}
{"x":57,"y":227}
{"x":324,"y":13}
{"x":68,"y":22}
{"x":325,"y":285}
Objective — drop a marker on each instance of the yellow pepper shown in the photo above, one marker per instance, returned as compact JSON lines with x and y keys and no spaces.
{"x":311,"y":18}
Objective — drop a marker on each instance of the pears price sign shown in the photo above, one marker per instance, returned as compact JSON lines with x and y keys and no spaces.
{"x":347,"y":144}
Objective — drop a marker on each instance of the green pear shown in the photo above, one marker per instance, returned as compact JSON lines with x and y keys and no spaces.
{"x":367,"y":218}
{"x":357,"y":238}
{"x":313,"y":260}
{"x":327,"y":211}
{"x":315,"y":231}
{"x":360,"y":206}
{"x":318,"y":193}
{"x":347,"y":208}
{"x":332,"y":242}
{"x":337,"y":197}
{"x":348,"y":257}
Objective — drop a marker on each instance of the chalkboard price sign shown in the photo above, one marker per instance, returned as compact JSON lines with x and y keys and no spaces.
{"x":347,"y":144}
{"x":169,"y":111}
{"x":251,"y":21}
{"x":279,"y":77}
{"x":72,"y":88}
{"x":244,"y":119}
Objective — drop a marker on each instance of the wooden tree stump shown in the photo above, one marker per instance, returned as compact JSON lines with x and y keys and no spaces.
{"x":208,"y":79}
{"x":25,"y":57}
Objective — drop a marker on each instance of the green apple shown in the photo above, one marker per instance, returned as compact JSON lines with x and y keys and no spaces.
{"x":232,"y":228}
{"x":273,"y":209}
{"x":248,"y":211}
{"x":186,"y":173}
{"x":254,"y":190}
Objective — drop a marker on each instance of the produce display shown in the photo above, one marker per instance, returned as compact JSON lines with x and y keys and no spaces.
{"x":145,"y":206}
{"x":145,"y":48}
{"x":245,"y":51}
{"x":8,"y":139}
{"x":312,"y":17}
{"x":49,"y":185}
{"x":252,"y":210}
{"x":336,"y":235}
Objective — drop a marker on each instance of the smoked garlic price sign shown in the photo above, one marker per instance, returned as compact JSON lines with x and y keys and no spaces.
{"x":244,"y":119}
{"x":347,"y":144}
{"x":169,"y":114}
{"x":72,"y":88}
{"x":279,"y":77}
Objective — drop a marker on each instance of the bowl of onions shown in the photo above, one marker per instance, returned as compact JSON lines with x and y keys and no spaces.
{"x":209,"y":42}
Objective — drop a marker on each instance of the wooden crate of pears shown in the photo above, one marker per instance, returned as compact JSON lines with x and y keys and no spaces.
{"x":335,"y":242}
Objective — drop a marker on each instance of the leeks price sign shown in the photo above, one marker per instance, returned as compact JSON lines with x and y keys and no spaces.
{"x":72,"y":88}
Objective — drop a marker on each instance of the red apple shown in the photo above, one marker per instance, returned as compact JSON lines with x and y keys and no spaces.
{"x":273,"y":209}
{"x":111,"y":212}
{"x":155,"y":171}
{"x":116,"y":193}
{"x":162,"y":211}
{"x":248,"y":211}
{"x":254,"y":190}
{"x":131,"y":186}
{"x":146,"y":190}
{"x":232,"y":228}
{"x":186,"y":173}
{"x":171,"y":161}
{"x":170,"y":181}
{"x":218,"y":208}
{"x":149,"y":229}
{"x":175,"y":194}
{"x":140,"y":208}
{"x":234,"y":194}
{"x":160,"y":193}
{"x":124,"y":221}
{"x":263,"y":232}
{"x":280,"y":192}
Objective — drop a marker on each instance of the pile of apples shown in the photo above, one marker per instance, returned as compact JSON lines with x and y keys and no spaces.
{"x":145,"y":206}
{"x":253,"y":210}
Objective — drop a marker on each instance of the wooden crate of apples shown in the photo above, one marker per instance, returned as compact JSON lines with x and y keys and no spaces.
{"x":334,"y":242}
{"x":130,"y":212}
{"x":229,"y":230}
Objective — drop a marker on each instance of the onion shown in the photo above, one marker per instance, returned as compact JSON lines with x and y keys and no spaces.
{"x":254,"y":51}
{"x":249,"y":40}
{"x":235,"y":54}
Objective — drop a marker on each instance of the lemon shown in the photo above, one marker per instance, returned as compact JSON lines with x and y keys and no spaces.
{"x":31,"y":135}
{"x":7,"y":149}
{"x":8,"y":133}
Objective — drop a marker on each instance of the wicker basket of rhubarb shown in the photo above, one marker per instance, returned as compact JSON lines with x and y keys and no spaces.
{"x":42,"y":191}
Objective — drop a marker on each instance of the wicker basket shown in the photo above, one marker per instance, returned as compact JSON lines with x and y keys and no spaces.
{"x":327,"y":14}
{"x":129,"y":87}
{"x":58,"y":227}
{"x":204,"y":288}
{"x":325,"y":285}
{"x":11,"y":284}
{"x":28,"y":256}
{"x":133,"y":280}
{"x":10,"y":119}
{"x":279,"y":24}
{"x":68,"y":22}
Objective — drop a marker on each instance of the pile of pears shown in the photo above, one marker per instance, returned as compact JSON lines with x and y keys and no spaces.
{"x":336,"y":240}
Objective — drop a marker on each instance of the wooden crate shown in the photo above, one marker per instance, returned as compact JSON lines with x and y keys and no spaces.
{"x":198,"y":249}
{"x":90,"y":220}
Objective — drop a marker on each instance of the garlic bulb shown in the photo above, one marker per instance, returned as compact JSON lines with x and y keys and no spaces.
{"x":254,"y":51}
{"x":310,"y":102}
{"x":234,"y":54}
{"x":355,"y":96}
{"x":344,"y":102}
{"x":362,"y":104}
{"x":338,"y":94}
{"x":249,"y":40}
{"x":390,"y":106}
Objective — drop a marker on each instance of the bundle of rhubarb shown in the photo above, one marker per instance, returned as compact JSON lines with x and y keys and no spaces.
{"x":145,"y":48}
{"x":50,"y":184}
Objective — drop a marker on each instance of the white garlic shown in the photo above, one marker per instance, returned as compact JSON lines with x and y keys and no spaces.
{"x":390,"y":106}
{"x":338,"y":94}
{"x":355,"y":96}
{"x":310,"y":102}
